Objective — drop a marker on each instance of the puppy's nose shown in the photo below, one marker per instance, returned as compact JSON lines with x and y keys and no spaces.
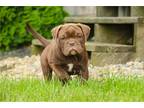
{"x":71,"y":43}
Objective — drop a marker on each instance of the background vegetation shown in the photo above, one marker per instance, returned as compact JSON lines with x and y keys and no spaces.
{"x":13,"y":20}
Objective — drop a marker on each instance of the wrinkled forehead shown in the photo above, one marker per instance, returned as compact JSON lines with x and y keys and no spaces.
{"x":70,"y":29}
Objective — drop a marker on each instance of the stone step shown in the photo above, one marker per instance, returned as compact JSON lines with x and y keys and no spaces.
{"x":100,"y":47}
{"x":107,"y":47}
{"x":102,"y":20}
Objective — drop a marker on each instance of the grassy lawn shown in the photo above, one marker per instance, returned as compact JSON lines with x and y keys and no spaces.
{"x":110,"y":89}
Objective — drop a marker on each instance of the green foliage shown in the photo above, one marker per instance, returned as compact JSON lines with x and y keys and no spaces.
{"x":13,"y":21}
{"x":110,"y":89}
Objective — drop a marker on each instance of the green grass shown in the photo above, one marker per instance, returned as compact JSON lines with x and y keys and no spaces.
{"x":110,"y":89}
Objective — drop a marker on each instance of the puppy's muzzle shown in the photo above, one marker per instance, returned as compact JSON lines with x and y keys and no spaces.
{"x":73,"y":51}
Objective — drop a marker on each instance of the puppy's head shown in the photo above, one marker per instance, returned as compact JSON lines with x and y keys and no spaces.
{"x":71,"y":38}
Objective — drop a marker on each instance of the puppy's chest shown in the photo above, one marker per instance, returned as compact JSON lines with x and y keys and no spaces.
{"x":70,"y":67}
{"x":73,"y":69}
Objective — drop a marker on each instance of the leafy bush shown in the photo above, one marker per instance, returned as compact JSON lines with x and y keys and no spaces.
{"x":13,"y":21}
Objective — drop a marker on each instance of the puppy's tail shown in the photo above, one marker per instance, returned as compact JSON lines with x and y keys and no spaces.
{"x":37,"y":35}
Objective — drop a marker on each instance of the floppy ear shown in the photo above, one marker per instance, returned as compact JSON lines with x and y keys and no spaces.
{"x":85,"y":29}
{"x":55,"y":31}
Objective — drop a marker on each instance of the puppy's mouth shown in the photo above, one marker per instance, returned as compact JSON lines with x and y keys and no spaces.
{"x":73,"y":52}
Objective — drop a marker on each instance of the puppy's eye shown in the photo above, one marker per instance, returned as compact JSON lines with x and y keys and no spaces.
{"x":62,"y":37}
{"x":79,"y":35}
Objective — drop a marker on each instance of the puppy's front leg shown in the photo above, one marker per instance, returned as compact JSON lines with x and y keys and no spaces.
{"x":84,"y":73}
{"x":61,"y":73}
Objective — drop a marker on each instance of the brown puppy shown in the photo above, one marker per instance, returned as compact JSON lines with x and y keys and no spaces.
{"x":66,"y":54}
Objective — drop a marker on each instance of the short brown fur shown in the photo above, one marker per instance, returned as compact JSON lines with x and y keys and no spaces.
{"x":66,"y":47}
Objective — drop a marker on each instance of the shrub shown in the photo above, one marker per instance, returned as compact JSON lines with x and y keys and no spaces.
{"x":13,"y":21}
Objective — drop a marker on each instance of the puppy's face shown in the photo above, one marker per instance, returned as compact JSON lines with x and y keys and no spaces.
{"x":71,"y":38}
